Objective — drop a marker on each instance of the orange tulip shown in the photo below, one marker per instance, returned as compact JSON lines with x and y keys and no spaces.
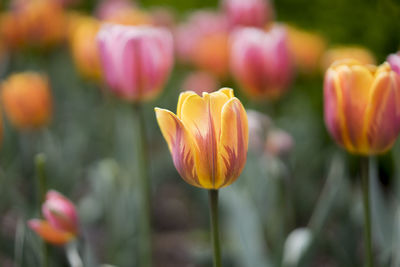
{"x":84,"y":47}
{"x":27,"y":100}
{"x":362,"y":106}
{"x":207,"y":138}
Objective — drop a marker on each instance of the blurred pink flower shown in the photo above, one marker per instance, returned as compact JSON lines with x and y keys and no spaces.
{"x":259,"y":125}
{"x":256,"y":13}
{"x":199,"y":82}
{"x":108,"y":8}
{"x":261,"y":62}
{"x":203,"y":42}
{"x":136,"y":60}
{"x":278,"y":143}
{"x":394,"y":61}
{"x":61,"y":220}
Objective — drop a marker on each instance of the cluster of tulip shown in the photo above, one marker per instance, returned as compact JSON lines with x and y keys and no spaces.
{"x":132,"y":52}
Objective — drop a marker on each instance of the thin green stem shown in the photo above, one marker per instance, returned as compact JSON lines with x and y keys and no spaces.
{"x":364,"y":162}
{"x":40,"y":163}
{"x":73,"y":255}
{"x":213,"y":197}
{"x":145,"y":186}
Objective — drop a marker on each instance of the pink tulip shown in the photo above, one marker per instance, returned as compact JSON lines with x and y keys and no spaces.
{"x":394,"y":61}
{"x":61,"y":220}
{"x":136,"y":60}
{"x":260,"y":61}
{"x":254,"y":13}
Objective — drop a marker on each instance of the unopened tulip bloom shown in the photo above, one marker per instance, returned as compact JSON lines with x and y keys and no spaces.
{"x":361,"y":54}
{"x":362,"y":106}
{"x":27,"y":100}
{"x":252,"y":13}
{"x":394,"y":61}
{"x":207,"y":138}
{"x":61,"y":221}
{"x":260,"y":61}
{"x":136,"y":60}
{"x":84,"y":48}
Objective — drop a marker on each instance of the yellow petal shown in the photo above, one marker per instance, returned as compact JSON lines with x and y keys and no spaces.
{"x":181,"y":145}
{"x":182,"y":98}
{"x":233,"y":142}
{"x":227,"y":91}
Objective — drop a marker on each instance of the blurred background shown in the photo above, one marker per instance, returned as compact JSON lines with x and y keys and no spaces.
{"x":298,"y":200}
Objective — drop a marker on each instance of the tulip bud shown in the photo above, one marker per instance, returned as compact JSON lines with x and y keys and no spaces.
{"x":358,"y":53}
{"x":394,"y":61}
{"x":84,"y":47}
{"x":362,"y":106}
{"x":136,"y":60}
{"x":207,"y":138}
{"x":27,"y":100}
{"x":260,"y":62}
{"x":61,"y":224}
{"x":256,"y":13}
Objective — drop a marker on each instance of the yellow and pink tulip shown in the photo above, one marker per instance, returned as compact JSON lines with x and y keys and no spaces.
{"x":362,"y":106}
{"x":207,"y":137}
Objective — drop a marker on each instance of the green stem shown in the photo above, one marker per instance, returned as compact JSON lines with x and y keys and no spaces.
{"x":213,"y":197}
{"x":142,"y":158}
{"x":364,"y":162}
{"x":40,"y":163}
{"x":73,"y":255}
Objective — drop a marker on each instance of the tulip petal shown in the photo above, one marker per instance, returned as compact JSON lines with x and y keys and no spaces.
{"x":202,"y":117}
{"x":383,"y":114}
{"x":355,"y":83}
{"x":182,"y":98}
{"x":233,"y":142}
{"x":49,"y":233}
{"x":181,"y":145}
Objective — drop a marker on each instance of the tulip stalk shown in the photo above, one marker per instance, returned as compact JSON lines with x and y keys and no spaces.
{"x":213,"y":199}
{"x":142,"y":159}
{"x":364,"y":162}
{"x":73,"y":255}
{"x":40,"y":161}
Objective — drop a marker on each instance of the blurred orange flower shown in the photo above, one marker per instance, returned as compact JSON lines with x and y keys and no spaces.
{"x":27,"y":100}
{"x":359,"y":53}
{"x":33,"y":23}
{"x":306,"y":49}
{"x":83,"y":45}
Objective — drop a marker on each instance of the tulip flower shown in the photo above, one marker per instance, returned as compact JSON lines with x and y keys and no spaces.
{"x":27,"y":100}
{"x":394,"y":61}
{"x":204,"y":42}
{"x":207,"y":138}
{"x":38,"y":23}
{"x":306,"y":49}
{"x":83,"y":46}
{"x":361,"y":54}
{"x":252,"y":13}
{"x":136,"y":60}
{"x":61,"y":221}
{"x":260,"y":62}
{"x":362,"y":106}
{"x":279,"y":143}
